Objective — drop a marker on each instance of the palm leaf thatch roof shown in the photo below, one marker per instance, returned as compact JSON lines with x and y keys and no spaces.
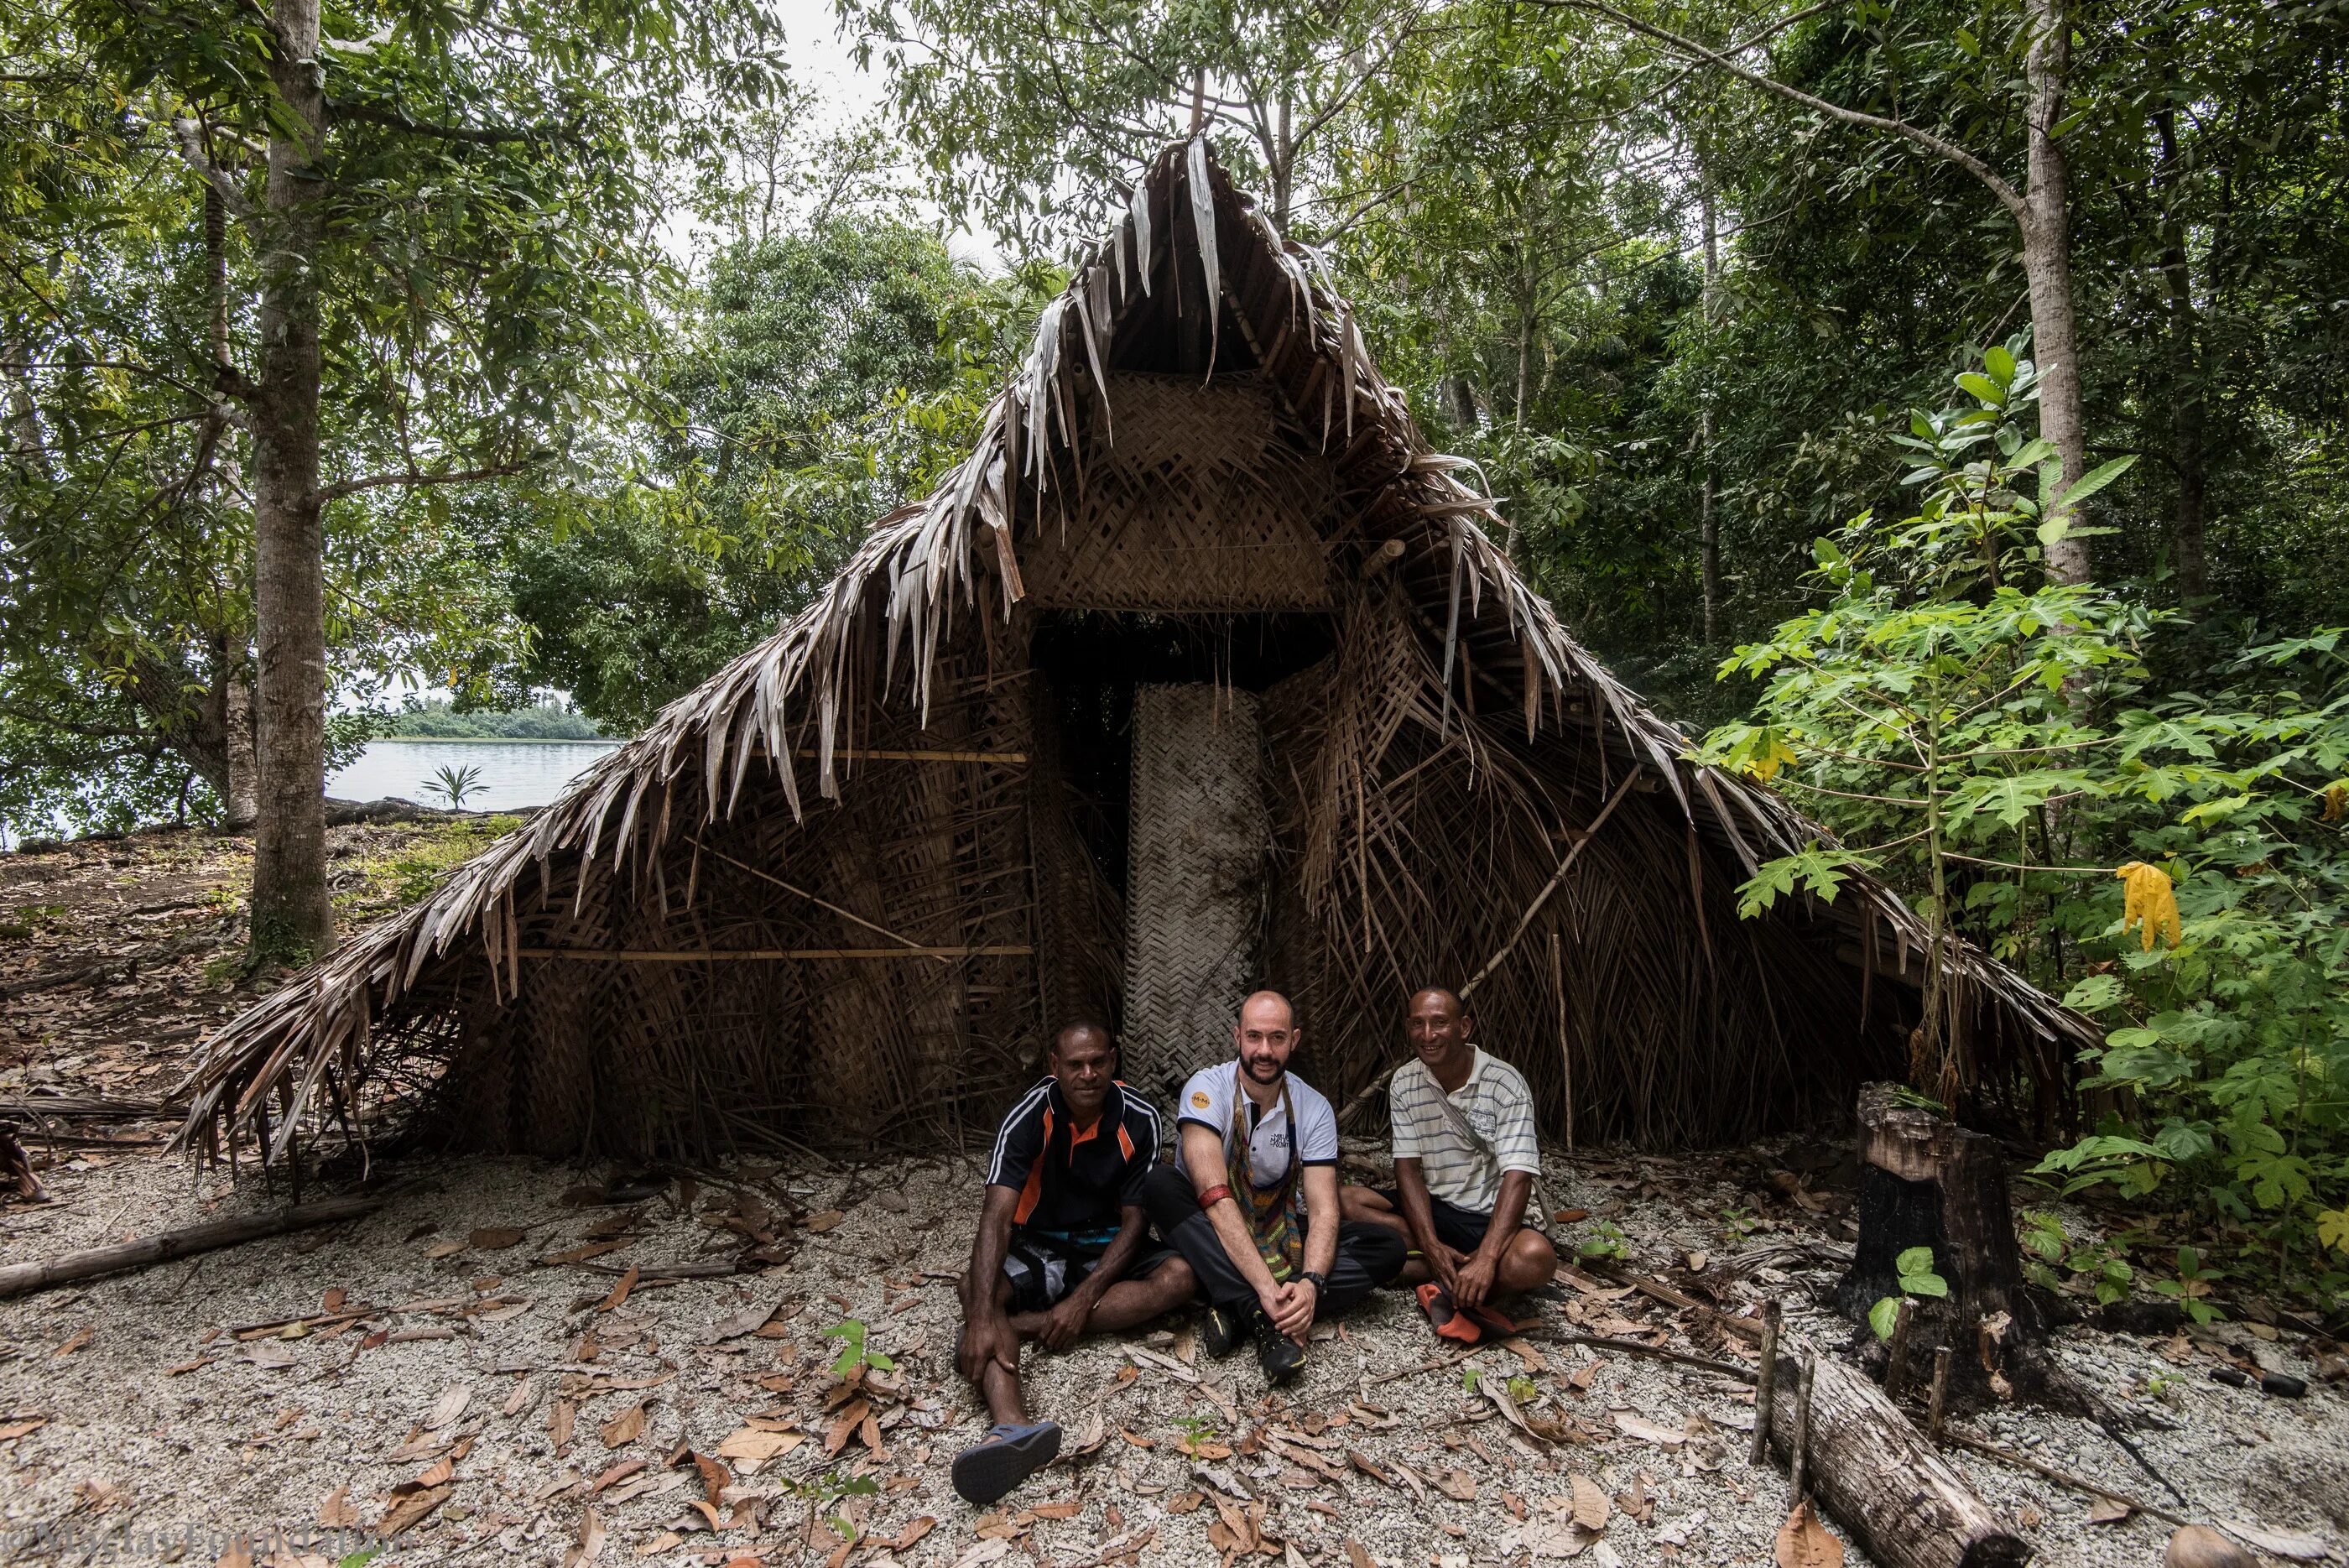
{"x":838,"y":893}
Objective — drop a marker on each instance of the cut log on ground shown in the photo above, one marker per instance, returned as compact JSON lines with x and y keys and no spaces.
{"x":22,"y":1279}
{"x":1872,"y":1471}
{"x":1924,"y":1181}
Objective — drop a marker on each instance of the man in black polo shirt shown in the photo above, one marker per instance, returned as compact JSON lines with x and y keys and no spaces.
{"x":1063,"y":1246}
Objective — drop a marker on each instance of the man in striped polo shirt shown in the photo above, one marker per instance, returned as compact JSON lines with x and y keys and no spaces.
{"x":1063,"y":1246}
{"x":1464,"y":1164}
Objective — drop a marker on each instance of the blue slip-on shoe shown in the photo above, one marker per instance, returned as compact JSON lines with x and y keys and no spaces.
{"x":1008,"y":1455}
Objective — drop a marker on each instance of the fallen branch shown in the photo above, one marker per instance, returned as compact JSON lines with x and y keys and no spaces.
{"x":707,"y":1269}
{"x":22,"y":1279}
{"x":1437,"y":1364}
{"x":1633,"y":1347}
{"x":94,"y":1107}
{"x":1599,"y":1341}
{"x":1991,"y":1450}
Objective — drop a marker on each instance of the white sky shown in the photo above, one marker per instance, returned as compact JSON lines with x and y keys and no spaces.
{"x":825,"y":62}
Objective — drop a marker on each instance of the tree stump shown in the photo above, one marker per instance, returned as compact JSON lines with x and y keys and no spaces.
{"x":1924,"y":1181}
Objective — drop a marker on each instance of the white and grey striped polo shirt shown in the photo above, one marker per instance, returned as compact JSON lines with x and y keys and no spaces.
{"x":1494,"y":1101}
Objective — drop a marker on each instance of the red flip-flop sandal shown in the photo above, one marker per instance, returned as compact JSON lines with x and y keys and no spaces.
{"x":1494,"y":1325}
{"x":1449,"y":1321}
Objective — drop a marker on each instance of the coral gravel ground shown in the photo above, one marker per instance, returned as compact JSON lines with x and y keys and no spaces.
{"x":473,"y":1374}
{"x":433,"y":1378}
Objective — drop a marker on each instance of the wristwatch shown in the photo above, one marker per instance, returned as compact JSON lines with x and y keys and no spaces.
{"x":1320,"y":1282}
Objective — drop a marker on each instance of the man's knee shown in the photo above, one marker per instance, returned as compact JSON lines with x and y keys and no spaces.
{"x":1531,"y":1259}
{"x":1362,"y":1203}
{"x":1171,"y":1283}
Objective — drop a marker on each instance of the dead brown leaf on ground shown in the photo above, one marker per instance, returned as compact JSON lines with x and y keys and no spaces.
{"x":410,"y":1510}
{"x":1590,"y":1508}
{"x":588,"y":1544}
{"x":625,"y":1428}
{"x":1804,"y":1542}
{"x":451,"y":1406}
{"x":754,"y":1446}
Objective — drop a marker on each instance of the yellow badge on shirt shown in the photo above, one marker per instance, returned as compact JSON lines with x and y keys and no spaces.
{"x":1199,"y":1099}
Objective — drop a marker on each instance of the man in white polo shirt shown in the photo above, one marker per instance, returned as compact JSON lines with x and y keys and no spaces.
{"x":1252,"y":1203}
{"x":1464,"y":1164}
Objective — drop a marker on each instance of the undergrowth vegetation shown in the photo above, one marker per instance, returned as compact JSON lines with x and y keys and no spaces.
{"x":381,"y":879}
{"x":2011,"y":753}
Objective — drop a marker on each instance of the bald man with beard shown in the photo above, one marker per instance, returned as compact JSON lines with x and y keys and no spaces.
{"x":1252,"y":1204}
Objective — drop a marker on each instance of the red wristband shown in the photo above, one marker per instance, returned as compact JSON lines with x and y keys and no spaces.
{"x":1213,"y":1196}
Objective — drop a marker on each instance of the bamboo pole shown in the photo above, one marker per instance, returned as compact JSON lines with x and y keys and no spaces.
{"x":1765,"y":1387}
{"x":845,"y":914}
{"x":1564,"y":1048}
{"x":689,"y":955}
{"x":871,"y":754}
{"x":1550,"y":887}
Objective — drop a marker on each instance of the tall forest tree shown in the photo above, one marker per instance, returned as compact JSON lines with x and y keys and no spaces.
{"x":448,"y":218}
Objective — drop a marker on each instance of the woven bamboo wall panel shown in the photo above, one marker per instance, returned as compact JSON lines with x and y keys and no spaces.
{"x":1195,"y":498}
{"x":1195,"y":884}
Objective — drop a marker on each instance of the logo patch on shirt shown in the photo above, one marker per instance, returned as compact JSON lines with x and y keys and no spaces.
{"x":1199,"y":1099}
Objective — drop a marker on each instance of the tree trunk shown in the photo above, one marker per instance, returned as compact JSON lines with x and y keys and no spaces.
{"x":26,"y":441}
{"x":291,"y":916}
{"x":2046,"y":224}
{"x":1924,"y":1181}
{"x":2186,"y":405}
{"x":241,"y":804}
{"x":228,"y":712}
{"x":1460,"y":402}
{"x":1708,"y":518}
{"x":1906,"y":1505}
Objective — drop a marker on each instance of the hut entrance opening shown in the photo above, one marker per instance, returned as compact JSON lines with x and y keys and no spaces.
{"x":1151,"y":827}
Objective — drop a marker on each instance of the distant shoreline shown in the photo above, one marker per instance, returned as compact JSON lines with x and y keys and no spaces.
{"x":495,"y":741}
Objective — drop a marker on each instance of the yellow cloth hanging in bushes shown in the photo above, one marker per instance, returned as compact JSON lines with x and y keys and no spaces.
{"x":2149,"y":903}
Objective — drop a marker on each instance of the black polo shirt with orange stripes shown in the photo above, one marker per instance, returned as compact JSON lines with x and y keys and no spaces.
{"x":1073,"y":1182}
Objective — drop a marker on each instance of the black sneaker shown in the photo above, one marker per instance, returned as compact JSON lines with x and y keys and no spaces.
{"x":1007,"y":1456}
{"x":1221,"y":1329}
{"x":1281,"y":1357}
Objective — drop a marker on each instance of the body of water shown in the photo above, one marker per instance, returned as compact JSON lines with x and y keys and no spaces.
{"x":513,"y":773}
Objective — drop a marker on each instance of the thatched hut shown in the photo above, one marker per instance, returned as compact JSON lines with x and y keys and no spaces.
{"x":1201,"y":672}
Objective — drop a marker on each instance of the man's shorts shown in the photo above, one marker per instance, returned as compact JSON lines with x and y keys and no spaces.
{"x":1044,"y":1268}
{"x":1462,"y":1229}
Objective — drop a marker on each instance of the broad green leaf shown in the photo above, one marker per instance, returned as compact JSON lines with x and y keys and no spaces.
{"x":2096,"y":478}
